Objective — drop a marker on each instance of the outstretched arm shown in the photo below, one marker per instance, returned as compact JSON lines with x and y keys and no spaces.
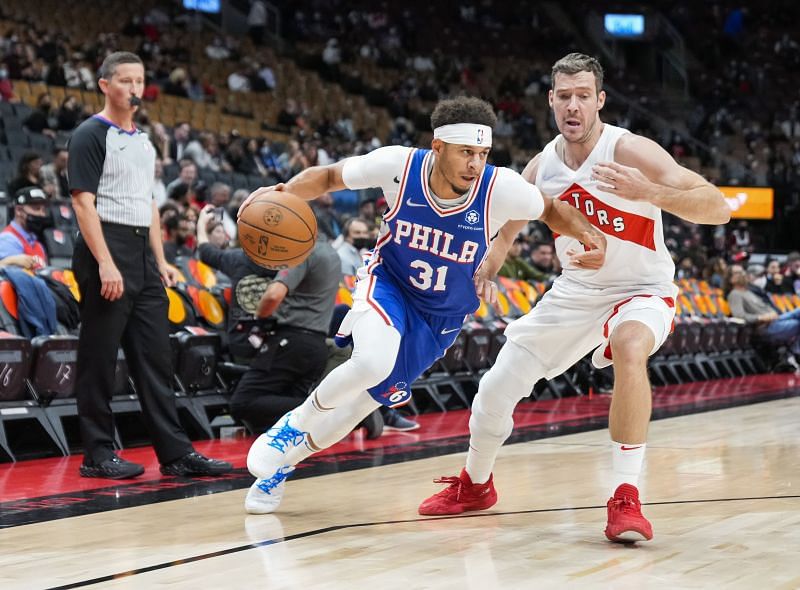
{"x":644,"y":171}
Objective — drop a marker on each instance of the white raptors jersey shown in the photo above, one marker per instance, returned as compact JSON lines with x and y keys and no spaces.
{"x":637,"y":256}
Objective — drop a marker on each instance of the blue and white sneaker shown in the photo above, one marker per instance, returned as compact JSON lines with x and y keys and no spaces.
{"x":269,"y":451}
{"x":265,"y":495}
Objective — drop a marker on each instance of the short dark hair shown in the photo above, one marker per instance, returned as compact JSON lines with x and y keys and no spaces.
{"x":463,"y":109}
{"x":538,"y":245}
{"x":574,"y":63}
{"x":115,"y":59}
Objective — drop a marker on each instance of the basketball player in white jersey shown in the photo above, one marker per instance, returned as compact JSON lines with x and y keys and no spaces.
{"x":622,"y":311}
{"x":445,"y":206}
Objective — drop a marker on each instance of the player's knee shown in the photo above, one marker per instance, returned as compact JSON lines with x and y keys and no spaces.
{"x":373,"y":367}
{"x":631,"y":342}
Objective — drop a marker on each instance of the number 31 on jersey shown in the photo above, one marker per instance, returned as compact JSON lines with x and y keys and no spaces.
{"x":424,"y":279}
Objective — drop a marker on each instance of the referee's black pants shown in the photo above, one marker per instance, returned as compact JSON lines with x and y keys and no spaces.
{"x":137,"y":321}
{"x":280,"y":377}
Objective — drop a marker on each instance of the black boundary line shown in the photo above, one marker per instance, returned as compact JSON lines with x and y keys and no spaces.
{"x":96,"y":500}
{"x":341,"y":527}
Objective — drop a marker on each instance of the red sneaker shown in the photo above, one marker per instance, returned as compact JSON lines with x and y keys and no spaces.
{"x":460,"y":496}
{"x":625,"y":521}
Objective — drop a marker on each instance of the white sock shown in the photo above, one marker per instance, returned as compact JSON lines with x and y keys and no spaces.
{"x":481,"y":462}
{"x":627,"y":463}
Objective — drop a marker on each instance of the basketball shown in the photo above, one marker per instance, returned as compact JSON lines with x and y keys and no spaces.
{"x":277,"y":230}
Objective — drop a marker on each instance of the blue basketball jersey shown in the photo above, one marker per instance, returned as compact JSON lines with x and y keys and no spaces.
{"x":430,"y":252}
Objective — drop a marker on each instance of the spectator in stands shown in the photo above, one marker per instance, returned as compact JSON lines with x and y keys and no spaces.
{"x":69,"y":114}
{"x":367,"y":210}
{"x":30,"y":164}
{"x":216,"y":234}
{"x":39,"y":121}
{"x":542,"y":258}
{"x":295,"y":353}
{"x":54,"y":175}
{"x":161,"y":141}
{"x":177,"y":84}
{"x":187,"y":177}
{"x":332,"y":55}
{"x":257,"y":21}
{"x":328,"y":223}
{"x":220,"y":196}
{"x":181,"y":136}
{"x":6,"y":86}
{"x":23,"y":236}
{"x":159,"y":190}
{"x":515,"y":266}
{"x":204,"y":151}
{"x":355,"y":240}
{"x":177,"y":230}
{"x":772,"y":327}
{"x":793,"y":270}
{"x":238,"y":81}
{"x":715,"y":270}
{"x":774,"y":282}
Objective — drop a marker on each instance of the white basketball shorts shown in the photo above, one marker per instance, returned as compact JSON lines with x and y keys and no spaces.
{"x":571,"y":320}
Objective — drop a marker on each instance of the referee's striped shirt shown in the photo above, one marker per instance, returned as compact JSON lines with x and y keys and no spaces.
{"x":117,"y":166}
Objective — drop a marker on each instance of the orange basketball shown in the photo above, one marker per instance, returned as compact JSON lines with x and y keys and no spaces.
{"x":277,"y":230}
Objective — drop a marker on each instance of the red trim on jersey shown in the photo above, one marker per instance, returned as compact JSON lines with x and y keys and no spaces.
{"x":401,"y":189}
{"x":377,"y":306}
{"x":607,"y":352}
{"x":426,"y":191}
{"x":375,"y":258}
{"x":486,"y":217}
{"x":636,"y":228}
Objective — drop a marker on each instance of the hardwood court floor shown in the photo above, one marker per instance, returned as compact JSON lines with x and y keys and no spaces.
{"x":722,"y":487}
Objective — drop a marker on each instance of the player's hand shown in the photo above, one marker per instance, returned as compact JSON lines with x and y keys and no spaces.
{"x":593,"y":256}
{"x":111,"y":284}
{"x":486,"y":289}
{"x":257,"y":193}
{"x":169,"y":274}
{"x":623,"y":181}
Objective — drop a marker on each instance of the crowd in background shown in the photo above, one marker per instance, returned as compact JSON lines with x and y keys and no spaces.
{"x":198,"y":167}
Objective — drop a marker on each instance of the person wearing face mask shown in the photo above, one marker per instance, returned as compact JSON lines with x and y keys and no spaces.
{"x":22,"y":237}
{"x":356,"y":240}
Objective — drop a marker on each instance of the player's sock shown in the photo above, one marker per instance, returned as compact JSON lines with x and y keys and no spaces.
{"x":627,"y":464}
{"x":500,"y":389}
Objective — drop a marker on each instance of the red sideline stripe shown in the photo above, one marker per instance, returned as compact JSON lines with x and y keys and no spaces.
{"x":637,"y":228}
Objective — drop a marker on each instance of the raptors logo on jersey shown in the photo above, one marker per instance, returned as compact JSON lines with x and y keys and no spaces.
{"x":620,"y":224}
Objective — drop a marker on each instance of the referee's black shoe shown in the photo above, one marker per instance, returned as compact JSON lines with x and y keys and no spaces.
{"x":196,"y":464}
{"x":112,"y":468}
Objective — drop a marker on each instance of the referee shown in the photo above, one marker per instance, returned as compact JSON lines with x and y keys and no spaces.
{"x":119,"y":265}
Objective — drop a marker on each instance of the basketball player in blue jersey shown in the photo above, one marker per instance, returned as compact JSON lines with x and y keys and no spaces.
{"x":445,"y":206}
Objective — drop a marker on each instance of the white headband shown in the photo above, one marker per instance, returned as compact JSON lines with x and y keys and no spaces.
{"x":465,"y":134}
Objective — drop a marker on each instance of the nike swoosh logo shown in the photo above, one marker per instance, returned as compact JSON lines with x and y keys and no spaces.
{"x":450,"y":331}
{"x":397,"y":180}
{"x":411,"y":203}
{"x":624,"y":448}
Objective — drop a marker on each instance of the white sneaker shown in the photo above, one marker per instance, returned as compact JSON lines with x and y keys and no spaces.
{"x":268,"y":453}
{"x":265,"y":495}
